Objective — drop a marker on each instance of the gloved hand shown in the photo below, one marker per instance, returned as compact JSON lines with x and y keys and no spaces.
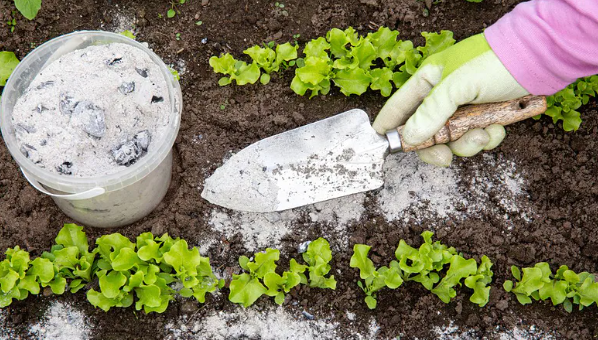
{"x":467,"y":72}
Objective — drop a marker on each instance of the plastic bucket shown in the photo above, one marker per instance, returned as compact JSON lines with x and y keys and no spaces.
{"x":105,"y":201}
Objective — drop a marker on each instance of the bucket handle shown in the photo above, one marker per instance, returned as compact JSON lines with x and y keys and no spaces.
{"x":91,"y":193}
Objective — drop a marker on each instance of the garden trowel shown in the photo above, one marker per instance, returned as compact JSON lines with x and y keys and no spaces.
{"x":334,"y":157}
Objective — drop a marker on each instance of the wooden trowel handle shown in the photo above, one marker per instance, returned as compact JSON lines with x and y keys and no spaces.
{"x":480,"y":116}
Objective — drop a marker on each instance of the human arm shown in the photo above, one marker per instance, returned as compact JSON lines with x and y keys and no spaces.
{"x":530,"y":50}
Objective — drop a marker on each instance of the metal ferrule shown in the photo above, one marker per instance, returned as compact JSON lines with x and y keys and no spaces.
{"x":394,"y":141}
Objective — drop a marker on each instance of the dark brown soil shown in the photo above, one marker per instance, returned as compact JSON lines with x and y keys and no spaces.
{"x":561,"y":166}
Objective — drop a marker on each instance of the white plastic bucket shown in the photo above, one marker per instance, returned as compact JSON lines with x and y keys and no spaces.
{"x":105,"y":201}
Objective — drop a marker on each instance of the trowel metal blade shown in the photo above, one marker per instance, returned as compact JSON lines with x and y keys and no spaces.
{"x":334,"y":157}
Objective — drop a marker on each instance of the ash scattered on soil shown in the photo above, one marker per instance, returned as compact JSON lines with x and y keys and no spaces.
{"x":258,"y":230}
{"x":62,"y":322}
{"x":453,"y":332}
{"x":122,"y":20}
{"x":498,"y":186}
{"x":261,"y":230}
{"x":270,"y":324}
{"x":6,"y":333}
{"x":413,"y":189}
{"x":417,"y":191}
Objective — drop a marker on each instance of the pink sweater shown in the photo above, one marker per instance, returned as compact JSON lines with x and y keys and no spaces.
{"x":547,"y":44}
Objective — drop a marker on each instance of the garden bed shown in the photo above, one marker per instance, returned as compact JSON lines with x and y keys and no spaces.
{"x":533,"y":199}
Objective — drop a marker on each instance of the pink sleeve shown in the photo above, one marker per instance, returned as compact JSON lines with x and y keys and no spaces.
{"x":547,"y":44}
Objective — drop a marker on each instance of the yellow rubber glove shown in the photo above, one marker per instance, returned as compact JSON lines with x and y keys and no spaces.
{"x":466,"y":73}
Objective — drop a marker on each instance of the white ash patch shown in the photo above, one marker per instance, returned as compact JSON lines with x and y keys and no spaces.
{"x":258,"y":230}
{"x":6,"y":333}
{"x":498,"y":187}
{"x":262,"y":230}
{"x":122,"y":20}
{"x":350,"y":316}
{"x":415,"y":190}
{"x":271,"y":324}
{"x":62,"y":322}
{"x":180,"y":65}
{"x":453,"y":332}
{"x":530,"y":333}
{"x":205,"y":245}
{"x":339,"y":211}
{"x":373,"y":329}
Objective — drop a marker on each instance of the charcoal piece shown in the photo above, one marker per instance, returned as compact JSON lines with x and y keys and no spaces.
{"x":66,"y":168}
{"x":41,"y":108}
{"x":143,"y":139}
{"x":142,"y":72}
{"x":90,"y":117}
{"x":129,"y":152}
{"x":126,"y":88}
{"x":45,"y":84}
{"x":307,"y":315}
{"x":30,"y":152}
{"x":25,"y":149}
{"x":67,"y":104}
{"x":156,"y":99}
{"x":114,"y":61}
{"x":21,"y":128}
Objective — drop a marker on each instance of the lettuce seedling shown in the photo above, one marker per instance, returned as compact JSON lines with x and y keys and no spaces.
{"x":71,"y":259}
{"x":317,"y":257}
{"x":128,"y":34}
{"x":239,"y":71}
{"x":246,"y":288}
{"x":480,"y":282}
{"x":192,"y":270}
{"x":270,"y":60}
{"x":424,"y":265}
{"x":354,"y":63}
{"x":279,"y":285}
{"x":68,"y":259}
{"x":261,"y":277}
{"x":563,"y":105}
{"x":117,"y":258}
{"x":8,"y":62}
{"x":564,"y":287}
{"x":356,"y":60}
{"x":374,"y":279}
{"x":459,"y":269}
{"x":436,"y":42}
{"x":316,"y":69}
{"x":19,"y":276}
{"x":146,"y":269}
{"x":13,"y":271}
